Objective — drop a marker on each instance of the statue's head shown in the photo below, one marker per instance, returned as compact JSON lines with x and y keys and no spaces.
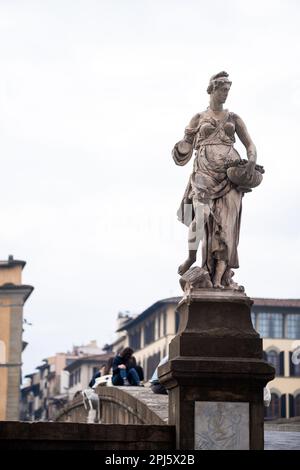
{"x":219,"y":86}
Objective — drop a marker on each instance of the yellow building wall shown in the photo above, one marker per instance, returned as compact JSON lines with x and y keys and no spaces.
{"x":4,"y":336}
{"x":3,"y":393}
{"x":11,"y":274}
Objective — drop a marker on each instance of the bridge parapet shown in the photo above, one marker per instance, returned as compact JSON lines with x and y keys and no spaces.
{"x":122,"y":405}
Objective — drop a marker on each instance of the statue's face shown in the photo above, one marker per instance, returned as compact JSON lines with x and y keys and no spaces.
{"x":221,"y":93}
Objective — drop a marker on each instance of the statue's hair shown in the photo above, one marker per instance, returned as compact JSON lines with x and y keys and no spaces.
{"x":218,"y":80}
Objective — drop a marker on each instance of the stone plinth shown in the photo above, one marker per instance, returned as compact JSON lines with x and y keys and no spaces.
{"x":216,"y":373}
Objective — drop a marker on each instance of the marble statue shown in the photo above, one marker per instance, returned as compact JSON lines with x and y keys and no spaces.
{"x":212,"y":203}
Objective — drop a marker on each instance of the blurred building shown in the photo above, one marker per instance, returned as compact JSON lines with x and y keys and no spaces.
{"x":277,"y":321}
{"x":55,"y":382}
{"x":82,"y":370}
{"x":13,"y":295}
{"x":45,"y":390}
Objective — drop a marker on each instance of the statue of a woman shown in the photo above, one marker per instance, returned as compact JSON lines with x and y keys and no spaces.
{"x":212,"y":203}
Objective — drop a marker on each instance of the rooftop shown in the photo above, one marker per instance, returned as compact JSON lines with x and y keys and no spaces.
{"x":89,"y":359}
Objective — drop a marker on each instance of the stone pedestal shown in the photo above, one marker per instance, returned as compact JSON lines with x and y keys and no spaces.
{"x":216,"y":374}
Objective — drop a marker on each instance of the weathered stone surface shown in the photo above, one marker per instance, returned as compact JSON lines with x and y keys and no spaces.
{"x":78,"y":436}
{"x":221,"y":425}
{"x":215,"y":357}
{"x":122,"y":405}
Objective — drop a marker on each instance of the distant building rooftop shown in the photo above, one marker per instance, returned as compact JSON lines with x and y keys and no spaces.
{"x":101,"y":358}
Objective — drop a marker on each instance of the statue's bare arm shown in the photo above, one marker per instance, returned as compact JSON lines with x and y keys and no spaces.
{"x":246,"y":140}
{"x":186,"y":144}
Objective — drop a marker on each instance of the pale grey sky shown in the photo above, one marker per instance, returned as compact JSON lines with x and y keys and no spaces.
{"x":93,"y":96}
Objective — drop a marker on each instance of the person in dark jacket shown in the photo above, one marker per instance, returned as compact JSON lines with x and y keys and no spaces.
{"x":124,"y":372}
{"x":137,"y":367}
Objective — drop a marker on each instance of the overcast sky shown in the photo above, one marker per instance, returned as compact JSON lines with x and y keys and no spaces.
{"x":93,"y":96}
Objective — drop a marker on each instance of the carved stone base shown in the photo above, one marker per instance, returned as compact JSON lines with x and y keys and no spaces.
{"x":199,"y":278}
{"x":216,"y":361}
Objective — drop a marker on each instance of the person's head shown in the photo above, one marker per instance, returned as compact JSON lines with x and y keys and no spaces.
{"x":126,"y":353}
{"x":105,"y":368}
{"x":219,"y":87}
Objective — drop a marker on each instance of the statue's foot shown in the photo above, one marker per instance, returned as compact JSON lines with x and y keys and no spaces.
{"x":218,"y":285}
{"x":186,"y":265}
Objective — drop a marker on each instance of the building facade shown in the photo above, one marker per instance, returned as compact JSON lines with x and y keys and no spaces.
{"x":82,"y":370}
{"x":56,"y":381}
{"x":13,"y":295}
{"x":276,"y":320}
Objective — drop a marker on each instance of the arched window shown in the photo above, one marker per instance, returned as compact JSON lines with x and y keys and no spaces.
{"x":295,"y":363}
{"x":274,"y":410}
{"x":297,"y":405}
{"x":2,"y":352}
{"x":277,"y":360}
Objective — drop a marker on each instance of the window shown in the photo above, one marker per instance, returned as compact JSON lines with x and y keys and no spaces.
{"x":294,"y":404}
{"x":158,"y":326}
{"x":274,"y":410}
{"x":152,"y":363}
{"x":277,"y":361}
{"x":75,"y":377}
{"x":177,"y":320}
{"x":293,"y":325}
{"x":71,"y":380}
{"x":253,"y":318}
{"x":135,"y":339}
{"x":149,"y":332}
{"x":297,"y":405}
{"x":164,"y":323}
{"x":294,"y":359}
{"x":270,"y":325}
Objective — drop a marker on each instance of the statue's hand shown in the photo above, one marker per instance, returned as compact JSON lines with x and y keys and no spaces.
{"x":184,"y":147}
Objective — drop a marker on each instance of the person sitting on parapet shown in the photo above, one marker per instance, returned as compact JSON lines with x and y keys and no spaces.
{"x":132,"y":363}
{"x":124,"y":373}
{"x":104,"y":371}
{"x":155,"y":384}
